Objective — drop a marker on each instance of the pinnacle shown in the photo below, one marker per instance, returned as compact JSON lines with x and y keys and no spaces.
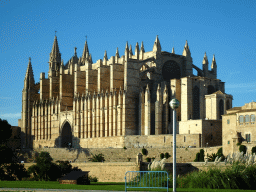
{"x":105,"y":55}
{"x":142,"y":47}
{"x":130,"y":50}
{"x":126,"y":47}
{"x":157,"y":46}
{"x":173,"y":50}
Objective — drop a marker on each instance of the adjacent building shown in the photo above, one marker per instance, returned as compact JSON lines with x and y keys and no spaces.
{"x":238,"y":126}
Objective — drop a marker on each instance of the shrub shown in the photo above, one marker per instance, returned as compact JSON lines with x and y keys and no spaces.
{"x":15,"y":170}
{"x":144,"y":151}
{"x":212,"y":157}
{"x":166,"y":155}
{"x":148,"y":159}
{"x":161,"y":155}
{"x":238,"y":144}
{"x":97,"y":158}
{"x":153,"y":158}
{"x":219,"y":153}
{"x":197,"y":157}
{"x":93,"y":179}
{"x":242,"y":148}
{"x":125,"y":147}
{"x":254,"y":150}
{"x":201,"y":158}
{"x":129,"y":159}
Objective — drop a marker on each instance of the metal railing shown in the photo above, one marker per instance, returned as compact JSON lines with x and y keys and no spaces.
{"x":146,"y":179}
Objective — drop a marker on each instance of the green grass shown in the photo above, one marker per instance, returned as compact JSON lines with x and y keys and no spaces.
{"x":113,"y":186}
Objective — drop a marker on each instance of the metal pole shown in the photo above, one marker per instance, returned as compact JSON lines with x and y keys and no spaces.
{"x":174,"y":150}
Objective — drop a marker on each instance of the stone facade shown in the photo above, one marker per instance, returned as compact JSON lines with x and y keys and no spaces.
{"x":239,"y":127}
{"x":84,"y":104}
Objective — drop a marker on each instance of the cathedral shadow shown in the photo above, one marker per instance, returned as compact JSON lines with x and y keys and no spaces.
{"x":72,"y":145}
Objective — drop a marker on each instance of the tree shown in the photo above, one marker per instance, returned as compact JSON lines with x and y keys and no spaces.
{"x":201,"y":158}
{"x":5,"y":131}
{"x":254,"y":150}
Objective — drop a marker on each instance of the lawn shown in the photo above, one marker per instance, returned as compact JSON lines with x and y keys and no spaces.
{"x":94,"y":186}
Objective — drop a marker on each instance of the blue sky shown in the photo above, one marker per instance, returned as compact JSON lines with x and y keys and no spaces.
{"x":224,"y":28}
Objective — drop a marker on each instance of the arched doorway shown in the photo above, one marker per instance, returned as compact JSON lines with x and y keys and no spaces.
{"x":66,"y":135}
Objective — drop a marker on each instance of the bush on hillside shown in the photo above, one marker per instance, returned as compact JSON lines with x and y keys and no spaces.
{"x":167,"y":155}
{"x":144,"y":151}
{"x":97,"y":158}
{"x":254,"y":150}
{"x":161,"y":155}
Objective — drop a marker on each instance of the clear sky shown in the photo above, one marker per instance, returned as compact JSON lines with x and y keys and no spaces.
{"x":224,"y":28}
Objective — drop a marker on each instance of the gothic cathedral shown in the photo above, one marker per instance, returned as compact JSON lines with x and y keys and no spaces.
{"x":121,"y":96}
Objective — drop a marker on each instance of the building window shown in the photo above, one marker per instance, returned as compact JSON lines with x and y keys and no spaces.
{"x":228,"y":121}
{"x":247,"y":119}
{"x":184,"y":138}
{"x":241,"y":119}
{"x":252,"y":119}
{"x":211,"y":137}
{"x":221,"y":108}
{"x":248,"y":137}
{"x":228,"y":142}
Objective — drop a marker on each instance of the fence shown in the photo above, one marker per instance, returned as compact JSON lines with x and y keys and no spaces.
{"x":146,"y":179}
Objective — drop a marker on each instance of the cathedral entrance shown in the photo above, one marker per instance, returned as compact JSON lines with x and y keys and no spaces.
{"x":66,"y":136}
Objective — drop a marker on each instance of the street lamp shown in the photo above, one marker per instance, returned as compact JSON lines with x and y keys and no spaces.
{"x":174,"y":104}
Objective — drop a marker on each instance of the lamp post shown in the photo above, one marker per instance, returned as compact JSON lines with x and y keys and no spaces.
{"x":174,"y":104}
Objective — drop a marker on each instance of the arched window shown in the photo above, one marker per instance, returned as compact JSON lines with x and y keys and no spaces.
{"x":247,"y":119}
{"x":171,"y":70}
{"x":227,"y":105}
{"x":196,"y":103}
{"x":221,"y":108}
{"x":241,"y":119}
{"x":252,"y":119}
{"x":210,"y":89}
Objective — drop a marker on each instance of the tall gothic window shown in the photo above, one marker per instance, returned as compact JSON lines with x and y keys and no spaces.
{"x":196,"y":103}
{"x":227,"y":105}
{"x":221,"y":108}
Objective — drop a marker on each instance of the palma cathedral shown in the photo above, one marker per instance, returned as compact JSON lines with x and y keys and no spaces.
{"x":82,"y":102}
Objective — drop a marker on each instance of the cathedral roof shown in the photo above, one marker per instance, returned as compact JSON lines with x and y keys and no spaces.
{"x":218,"y":92}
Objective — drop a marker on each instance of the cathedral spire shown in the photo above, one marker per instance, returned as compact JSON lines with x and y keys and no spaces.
{"x":157,"y":46}
{"x":205,"y":60}
{"x":186,"y":51}
{"x":29,"y":77}
{"x":55,"y":55}
{"x":173,"y":50}
{"x":85,"y":52}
